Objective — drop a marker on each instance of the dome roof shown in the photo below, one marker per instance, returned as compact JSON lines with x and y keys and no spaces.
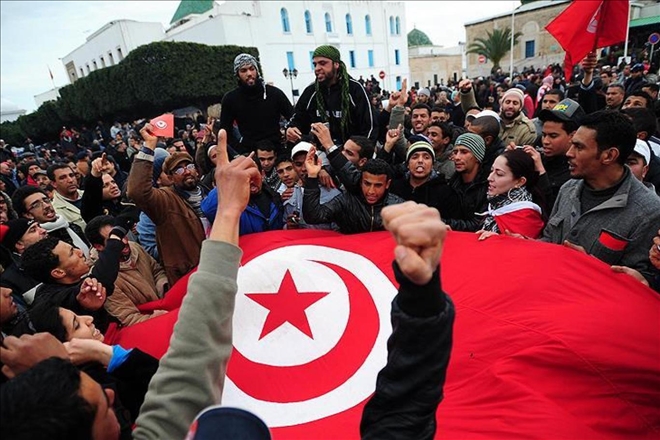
{"x":418,"y":38}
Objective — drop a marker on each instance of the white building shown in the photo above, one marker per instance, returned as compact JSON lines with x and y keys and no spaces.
{"x":9,"y":111}
{"x":371,"y":36}
{"x":48,"y":95}
{"x":109,"y":45}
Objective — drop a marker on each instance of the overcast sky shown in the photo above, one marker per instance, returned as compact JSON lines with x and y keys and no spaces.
{"x":35,"y":34}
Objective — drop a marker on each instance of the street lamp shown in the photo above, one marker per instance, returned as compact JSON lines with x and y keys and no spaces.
{"x":291,"y":74}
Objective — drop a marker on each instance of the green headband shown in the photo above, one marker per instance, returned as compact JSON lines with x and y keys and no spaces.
{"x":328,"y":52}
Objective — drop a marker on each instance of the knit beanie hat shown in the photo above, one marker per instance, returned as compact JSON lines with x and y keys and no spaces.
{"x":15,"y":229}
{"x":514,"y":93}
{"x":474,"y":143}
{"x":245,"y":59}
{"x":419,"y":146}
{"x":328,"y":51}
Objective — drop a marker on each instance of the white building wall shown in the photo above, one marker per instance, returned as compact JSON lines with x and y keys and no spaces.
{"x":109,"y":45}
{"x":259,"y":24}
{"x":49,"y":95}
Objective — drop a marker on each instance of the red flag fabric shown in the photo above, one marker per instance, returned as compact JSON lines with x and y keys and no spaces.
{"x":521,"y":218}
{"x":586,"y":25}
{"x":50,"y":73}
{"x":546,"y":339}
{"x":163,"y":125}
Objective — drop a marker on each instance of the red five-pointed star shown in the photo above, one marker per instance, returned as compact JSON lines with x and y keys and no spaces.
{"x":287,"y":305}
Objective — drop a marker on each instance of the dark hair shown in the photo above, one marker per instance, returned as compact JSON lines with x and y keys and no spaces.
{"x":375,"y":167}
{"x":489,"y":125}
{"x":54,"y":167}
{"x":367,"y":146}
{"x":641,"y":94}
{"x":613,"y":130}
{"x":94,"y":226}
{"x":422,"y":106}
{"x":437,"y":108}
{"x":45,"y":402}
{"x":39,"y":260}
{"x":109,"y":157}
{"x":45,"y":317}
{"x":618,"y":86}
{"x":281,"y":159}
{"x":22,"y":193}
{"x":643,"y":120}
{"x":264,"y":145}
{"x":521,"y":164}
{"x":447,"y":131}
{"x":556,"y":92}
{"x":652,"y":86}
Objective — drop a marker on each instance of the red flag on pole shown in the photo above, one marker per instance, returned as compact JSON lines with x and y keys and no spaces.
{"x":163,"y":125}
{"x":588,"y":24}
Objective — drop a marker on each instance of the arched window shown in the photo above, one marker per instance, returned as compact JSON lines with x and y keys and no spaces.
{"x":285,"y":20}
{"x":367,"y":24}
{"x":398,"y":26}
{"x":328,"y":22}
{"x":391,"y":25}
{"x":308,"y":22}
{"x":349,"y":24}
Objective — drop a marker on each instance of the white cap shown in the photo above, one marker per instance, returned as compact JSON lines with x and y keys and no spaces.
{"x":642,"y":148}
{"x":488,"y":113}
{"x":301,"y":146}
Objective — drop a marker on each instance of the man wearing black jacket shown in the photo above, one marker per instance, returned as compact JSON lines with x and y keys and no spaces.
{"x":67,"y":280}
{"x":255,"y":106}
{"x":334,"y":98}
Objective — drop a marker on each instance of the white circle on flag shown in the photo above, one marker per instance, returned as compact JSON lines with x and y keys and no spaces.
{"x":287,"y":345}
{"x":303,"y":259}
{"x":161,"y":124}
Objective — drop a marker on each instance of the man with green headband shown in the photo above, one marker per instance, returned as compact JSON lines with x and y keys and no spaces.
{"x":334,"y":98}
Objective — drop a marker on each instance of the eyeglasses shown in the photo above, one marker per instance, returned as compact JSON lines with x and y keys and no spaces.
{"x":40,"y":203}
{"x":179,"y":171}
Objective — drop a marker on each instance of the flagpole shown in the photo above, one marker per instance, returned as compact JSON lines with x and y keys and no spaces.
{"x":513,"y":14}
{"x":625,"y":47}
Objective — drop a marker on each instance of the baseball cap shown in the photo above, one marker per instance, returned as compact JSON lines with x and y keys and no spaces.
{"x":41,"y":171}
{"x":14,"y":231}
{"x":642,"y":148}
{"x":639,"y":67}
{"x":301,"y":146}
{"x":566,"y":110}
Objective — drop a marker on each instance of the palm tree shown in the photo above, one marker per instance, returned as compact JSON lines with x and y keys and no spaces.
{"x":495,"y":46}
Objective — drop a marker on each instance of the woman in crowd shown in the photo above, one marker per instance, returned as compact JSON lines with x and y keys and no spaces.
{"x":512,"y":194}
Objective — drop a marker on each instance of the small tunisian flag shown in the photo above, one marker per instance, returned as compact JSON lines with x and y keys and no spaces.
{"x":163,"y":125}
{"x":588,"y":24}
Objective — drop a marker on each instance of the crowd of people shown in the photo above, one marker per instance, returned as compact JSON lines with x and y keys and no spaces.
{"x":109,"y":219}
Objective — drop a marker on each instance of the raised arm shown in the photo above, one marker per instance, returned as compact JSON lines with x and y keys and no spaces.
{"x":192,"y":372}
{"x":409,"y":388}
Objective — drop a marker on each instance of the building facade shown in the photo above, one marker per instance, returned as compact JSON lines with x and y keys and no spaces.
{"x":433,"y":65}
{"x":109,"y":45}
{"x":370,"y":35}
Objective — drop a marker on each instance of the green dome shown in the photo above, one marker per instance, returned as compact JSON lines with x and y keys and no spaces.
{"x":418,"y":38}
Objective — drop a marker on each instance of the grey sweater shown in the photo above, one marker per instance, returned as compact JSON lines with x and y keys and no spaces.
{"x":191,"y":375}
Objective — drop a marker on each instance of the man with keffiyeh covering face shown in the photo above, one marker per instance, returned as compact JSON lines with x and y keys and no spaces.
{"x":334,"y":98}
{"x":256,"y":108}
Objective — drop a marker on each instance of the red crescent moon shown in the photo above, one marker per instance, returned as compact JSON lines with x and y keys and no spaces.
{"x":320,"y":376}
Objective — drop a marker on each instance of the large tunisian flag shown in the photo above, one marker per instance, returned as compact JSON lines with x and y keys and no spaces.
{"x":547,"y":342}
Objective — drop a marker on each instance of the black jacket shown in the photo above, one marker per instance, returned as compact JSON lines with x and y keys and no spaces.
{"x":257,"y":117}
{"x":556,"y":169}
{"x":434,"y":193}
{"x":349,"y":211}
{"x":410,"y":386}
{"x":105,"y":271}
{"x":363,"y":120}
{"x":473,"y":199}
